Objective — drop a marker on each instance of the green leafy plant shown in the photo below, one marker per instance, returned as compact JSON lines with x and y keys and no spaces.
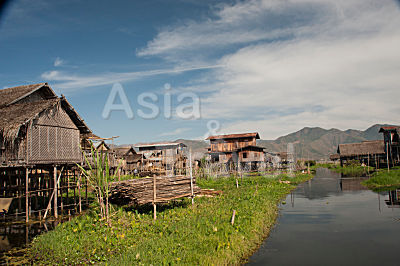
{"x":98,"y":176}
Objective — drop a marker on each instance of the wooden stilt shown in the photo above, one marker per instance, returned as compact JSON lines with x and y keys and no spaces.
{"x":86,"y":192}
{"x":387,"y":155}
{"x":61,"y":184}
{"x":154,"y":198}
{"x":55,"y":192}
{"x":27,"y":195}
{"x":191,"y":176}
{"x":79,"y":192}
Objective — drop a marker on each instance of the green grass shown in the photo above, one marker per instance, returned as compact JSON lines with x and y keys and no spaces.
{"x":182,"y":234}
{"x":384,"y":179}
{"x":350,"y":170}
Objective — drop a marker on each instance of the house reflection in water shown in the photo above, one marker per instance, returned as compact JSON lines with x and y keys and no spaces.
{"x":352,"y":184}
{"x":393,"y":201}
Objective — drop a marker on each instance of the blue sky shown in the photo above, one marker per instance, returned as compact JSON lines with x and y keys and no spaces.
{"x":270,"y":66}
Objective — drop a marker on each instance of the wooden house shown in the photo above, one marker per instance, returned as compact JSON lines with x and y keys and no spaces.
{"x":236,"y":149}
{"x":392,"y":143}
{"x":163,"y":157}
{"x":130,"y":159}
{"x":367,"y":152}
{"x":40,"y":136}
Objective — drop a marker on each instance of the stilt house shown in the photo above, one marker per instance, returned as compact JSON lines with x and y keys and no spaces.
{"x":368,"y":152}
{"x":238,"y":149}
{"x":392,"y":143}
{"x":40,"y":136}
{"x":163,"y":157}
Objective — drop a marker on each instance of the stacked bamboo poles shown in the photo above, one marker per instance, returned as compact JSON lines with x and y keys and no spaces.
{"x":141,"y":191}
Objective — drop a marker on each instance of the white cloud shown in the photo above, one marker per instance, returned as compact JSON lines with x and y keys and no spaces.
{"x":334,"y":65}
{"x":58,"y":62}
{"x":68,"y":81}
{"x":175,"y":132}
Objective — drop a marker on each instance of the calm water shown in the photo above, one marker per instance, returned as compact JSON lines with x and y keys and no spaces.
{"x":334,"y":221}
{"x":17,"y":236}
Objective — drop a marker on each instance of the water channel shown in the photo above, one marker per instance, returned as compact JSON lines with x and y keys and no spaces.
{"x":331,"y":220}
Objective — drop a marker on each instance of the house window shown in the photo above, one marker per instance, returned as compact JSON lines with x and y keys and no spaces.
{"x":244,"y":154}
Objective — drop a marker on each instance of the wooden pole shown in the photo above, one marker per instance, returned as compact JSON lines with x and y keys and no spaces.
{"x":61,"y":192}
{"x":27,"y":195}
{"x":154,"y":198}
{"x":191,"y":176}
{"x":86,"y":192}
{"x":51,"y":198}
{"x":79,"y":192}
{"x":55,"y":192}
{"x":387,"y":155}
{"x":233,"y":217}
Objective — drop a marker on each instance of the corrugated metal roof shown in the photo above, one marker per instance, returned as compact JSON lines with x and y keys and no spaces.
{"x":233,"y":136}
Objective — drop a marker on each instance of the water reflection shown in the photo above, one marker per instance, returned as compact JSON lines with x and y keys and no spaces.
{"x":334,"y":221}
{"x":393,"y":201}
{"x":17,"y":235}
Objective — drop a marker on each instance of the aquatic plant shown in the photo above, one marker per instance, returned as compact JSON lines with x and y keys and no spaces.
{"x":183,"y":233}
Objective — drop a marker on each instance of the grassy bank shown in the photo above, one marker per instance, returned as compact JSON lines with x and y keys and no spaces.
{"x":350,"y":170}
{"x":182,"y":234}
{"x":384,"y":179}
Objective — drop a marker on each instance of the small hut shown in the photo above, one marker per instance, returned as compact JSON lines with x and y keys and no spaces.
{"x":131,"y":160}
{"x":40,"y":136}
{"x":368,"y":152}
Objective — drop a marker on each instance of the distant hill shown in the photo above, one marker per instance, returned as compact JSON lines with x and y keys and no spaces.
{"x":310,"y":142}
{"x":317,"y":143}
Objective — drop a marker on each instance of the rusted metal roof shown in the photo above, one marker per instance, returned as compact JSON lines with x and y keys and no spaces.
{"x":250,"y":147}
{"x":389,"y":128}
{"x":155,"y":144}
{"x":234,"y":136}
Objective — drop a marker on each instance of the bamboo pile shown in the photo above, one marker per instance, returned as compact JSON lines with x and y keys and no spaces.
{"x":140,"y":191}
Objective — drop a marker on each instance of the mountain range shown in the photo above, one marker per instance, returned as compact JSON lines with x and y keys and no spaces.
{"x":309,"y":142}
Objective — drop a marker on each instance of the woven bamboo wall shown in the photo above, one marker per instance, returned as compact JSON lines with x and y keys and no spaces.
{"x":54,"y":138}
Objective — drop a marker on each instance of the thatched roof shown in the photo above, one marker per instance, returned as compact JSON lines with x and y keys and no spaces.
{"x":121,"y":151}
{"x":79,"y":122}
{"x":334,"y":156}
{"x":12,"y":95}
{"x":128,"y":153}
{"x":15,"y":116}
{"x":362,"y":148}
